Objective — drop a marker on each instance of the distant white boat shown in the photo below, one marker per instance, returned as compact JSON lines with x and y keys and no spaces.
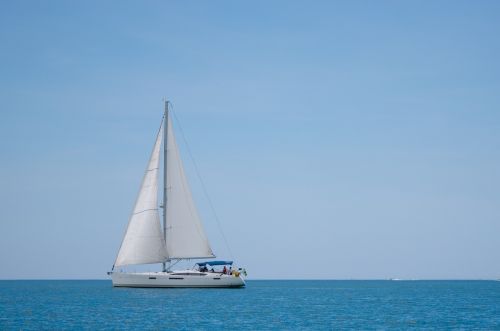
{"x":182,"y":236}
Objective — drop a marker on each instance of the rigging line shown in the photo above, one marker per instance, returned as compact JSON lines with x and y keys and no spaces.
{"x":202,"y":183}
{"x":142,"y":211}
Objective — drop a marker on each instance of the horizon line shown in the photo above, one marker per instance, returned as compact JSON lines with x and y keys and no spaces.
{"x":279,"y":279}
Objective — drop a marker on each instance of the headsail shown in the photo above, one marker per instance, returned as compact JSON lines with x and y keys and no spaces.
{"x":185,"y":234}
{"x":143,"y":242}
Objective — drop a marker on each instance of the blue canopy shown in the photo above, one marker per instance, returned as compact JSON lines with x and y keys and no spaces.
{"x":201,"y":264}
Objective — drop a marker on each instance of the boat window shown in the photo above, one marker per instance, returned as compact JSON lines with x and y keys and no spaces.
{"x":217,"y":278}
{"x":152,"y":277}
{"x":189,"y":274}
{"x":175,"y":278}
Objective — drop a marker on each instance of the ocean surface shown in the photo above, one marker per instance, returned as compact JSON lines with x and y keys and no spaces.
{"x":262,"y":305}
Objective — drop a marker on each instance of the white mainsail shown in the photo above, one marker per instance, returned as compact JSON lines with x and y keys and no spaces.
{"x":186,"y":238}
{"x":143,"y":242}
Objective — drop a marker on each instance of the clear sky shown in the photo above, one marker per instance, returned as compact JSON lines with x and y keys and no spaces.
{"x":355,"y":139}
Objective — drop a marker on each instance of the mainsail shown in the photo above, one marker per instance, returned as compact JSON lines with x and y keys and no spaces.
{"x":186,"y":238}
{"x":143,"y":242}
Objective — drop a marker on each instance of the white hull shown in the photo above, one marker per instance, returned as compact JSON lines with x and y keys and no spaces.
{"x":176,"y":279}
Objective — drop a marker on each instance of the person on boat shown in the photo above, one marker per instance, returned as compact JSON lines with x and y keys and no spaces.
{"x":224,"y":271}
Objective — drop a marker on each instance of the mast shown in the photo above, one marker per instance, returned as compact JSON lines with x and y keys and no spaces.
{"x":165,"y":136}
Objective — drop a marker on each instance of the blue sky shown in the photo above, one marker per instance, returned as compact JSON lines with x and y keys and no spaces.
{"x":337,"y":140}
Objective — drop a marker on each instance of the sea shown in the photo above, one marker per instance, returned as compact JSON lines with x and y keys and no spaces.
{"x":261,"y":305}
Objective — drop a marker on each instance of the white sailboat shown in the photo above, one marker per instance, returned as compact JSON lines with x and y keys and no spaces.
{"x":182,"y":236}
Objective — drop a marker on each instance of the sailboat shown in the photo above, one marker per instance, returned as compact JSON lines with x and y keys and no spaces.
{"x":181,"y":237}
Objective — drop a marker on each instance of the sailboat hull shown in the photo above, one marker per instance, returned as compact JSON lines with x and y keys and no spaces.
{"x":175,"y":279}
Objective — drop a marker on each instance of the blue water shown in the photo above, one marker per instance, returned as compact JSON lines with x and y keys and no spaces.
{"x":262,"y":305}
